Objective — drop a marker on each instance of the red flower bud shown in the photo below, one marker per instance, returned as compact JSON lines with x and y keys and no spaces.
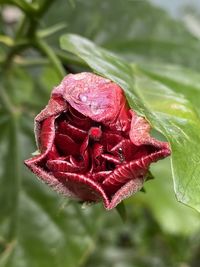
{"x":92,"y":145}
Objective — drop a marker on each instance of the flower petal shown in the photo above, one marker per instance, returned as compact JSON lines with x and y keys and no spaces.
{"x":136,"y":169}
{"x":84,"y":188}
{"x":140,"y":134}
{"x":66,"y":145}
{"x":93,"y":96}
{"x":62,"y":166}
{"x":77,"y":134}
{"x":130,"y":188}
{"x":109,"y":140}
{"x":79,"y":120}
{"x":47,"y":134}
{"x":100,"y":176}
{"x":46,"y":177}
{"x":46,"y":143}
{"x":125,"y":150}
{"x":55,"y":106}
{"x":123,"y":174}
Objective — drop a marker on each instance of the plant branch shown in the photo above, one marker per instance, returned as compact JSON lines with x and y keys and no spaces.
{"x":45,"y":49}
{"x":16,"y":165}
{"x":28,"y":26}
{"x":51,"y":30}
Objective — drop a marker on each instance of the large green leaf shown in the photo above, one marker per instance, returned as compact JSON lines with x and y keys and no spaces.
{"x":179,"y":79}
{"x":172,"y":216}
{"x":167,"y":111}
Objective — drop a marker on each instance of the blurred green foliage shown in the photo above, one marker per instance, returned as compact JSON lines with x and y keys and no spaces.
{"x":38,"y":227}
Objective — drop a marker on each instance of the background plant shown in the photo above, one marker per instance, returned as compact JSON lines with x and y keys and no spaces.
{"x":158,"y":62}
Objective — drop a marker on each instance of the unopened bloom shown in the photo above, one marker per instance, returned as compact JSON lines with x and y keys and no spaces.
{"x":92,"y":145}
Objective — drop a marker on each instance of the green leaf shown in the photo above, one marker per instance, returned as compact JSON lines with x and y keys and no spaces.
{"x":181,"y":125}
{"x":179,"y":79}
{"x":51,"y":30}
{"x":173,"y":217}
{"x":169,"y":51}
{"x":167,"y":111}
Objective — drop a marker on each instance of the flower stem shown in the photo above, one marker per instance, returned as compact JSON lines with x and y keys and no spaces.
{"x":16,"y":161}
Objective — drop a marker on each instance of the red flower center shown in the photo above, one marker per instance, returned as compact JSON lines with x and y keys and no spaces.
{"x":95,"y":133}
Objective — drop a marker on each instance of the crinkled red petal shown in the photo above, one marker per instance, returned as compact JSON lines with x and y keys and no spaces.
{"x":63,"y":166}
{"x":84,"y":188}
{"x":66,"y":145}
{"x":93,"y":96}
{"x":55,"y":106}
{"x":130,"y":171}
{"x":77,"y":134}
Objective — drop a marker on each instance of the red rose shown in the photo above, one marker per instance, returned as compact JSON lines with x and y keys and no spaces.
{"x":92,"y":145}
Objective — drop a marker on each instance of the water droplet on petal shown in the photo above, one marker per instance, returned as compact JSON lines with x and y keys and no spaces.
{"x":83,"y":98}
